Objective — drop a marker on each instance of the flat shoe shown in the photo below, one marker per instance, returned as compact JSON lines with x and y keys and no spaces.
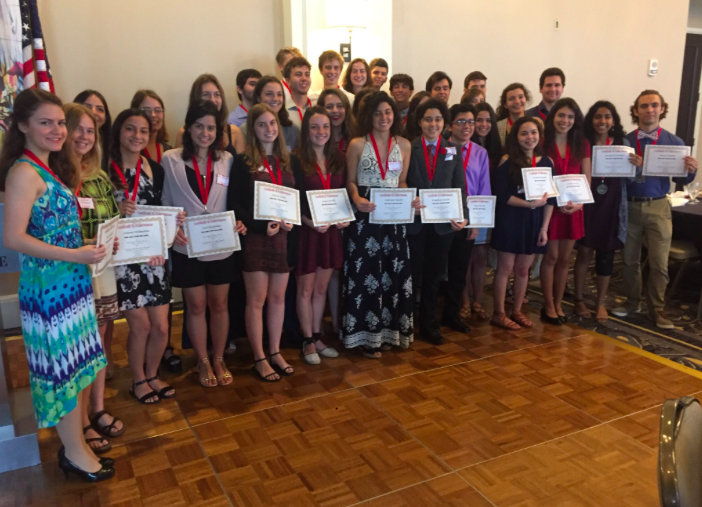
{"x":162,"y":393}
{"x":554,"y":321}
{"x":501,"y":320}
{"x":521,"y":319}
{"x":106,"y":430}
{"x":102,"y":448}
{"x":328,"y":352}
{"x":312,"y":358}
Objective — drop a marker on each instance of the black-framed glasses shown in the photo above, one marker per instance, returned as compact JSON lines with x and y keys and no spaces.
{"x":462,"y":123}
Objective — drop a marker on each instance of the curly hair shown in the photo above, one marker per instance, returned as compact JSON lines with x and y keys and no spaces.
{"x":199,"y":109}
{"x":412,"y":130}
{"x":635,"y":106}
{"x":502,"y":111}
{"x":372,"y":101}
{"x":617,"y":130}
{"x":440,"y":105}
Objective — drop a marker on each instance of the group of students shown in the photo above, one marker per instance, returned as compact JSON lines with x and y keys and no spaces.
{"x":65,"y":169}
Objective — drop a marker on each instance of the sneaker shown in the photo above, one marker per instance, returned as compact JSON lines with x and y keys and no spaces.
{"x":661,"y":319}
{"x":625,"y":311}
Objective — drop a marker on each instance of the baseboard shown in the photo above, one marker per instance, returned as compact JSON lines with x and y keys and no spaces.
{"x":9,"y":306}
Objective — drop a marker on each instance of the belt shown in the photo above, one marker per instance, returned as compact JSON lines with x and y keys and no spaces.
{"x":632,"y":198}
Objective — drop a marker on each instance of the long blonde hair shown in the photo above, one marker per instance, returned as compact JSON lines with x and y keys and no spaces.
{"x":253,"y":150}
{"x":90,"y":164}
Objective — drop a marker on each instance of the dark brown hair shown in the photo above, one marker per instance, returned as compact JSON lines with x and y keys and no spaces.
{"x":346,"y":81}
{"x":106,"y":129}
{"x":371,"y":102}
{"x":576,"y":134}
{"x":283,"y":116}
{"x":517,"y":158}
{"x":196,"y":94}
{"x":633,"y":109}
{"x":116,"y":147}
{"x":253,"y":151}
{"x":138,"y":98}
{"x":412,"y":130}
{"x":476,"y":75}
{"x":199,"y":109}
{"x":502,"y":111}
{"x":346,"y":126}
{"x":305,"y":153}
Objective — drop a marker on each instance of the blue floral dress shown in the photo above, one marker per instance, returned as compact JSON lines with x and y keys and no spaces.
{"x":57,"y":309}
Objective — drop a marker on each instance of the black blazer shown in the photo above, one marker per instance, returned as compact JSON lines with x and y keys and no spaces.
{"x":240,"y":199}
{"x":449,"y":174}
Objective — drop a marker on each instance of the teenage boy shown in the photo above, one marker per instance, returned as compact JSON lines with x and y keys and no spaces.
{"x":245,"y":84}
{"x":330,"y":65}
{"x":378,"y":72}
{"x":551,"y":85}
{"x":401,"y":89}
{"x":439,"y":85}
{"x":297,"y":75}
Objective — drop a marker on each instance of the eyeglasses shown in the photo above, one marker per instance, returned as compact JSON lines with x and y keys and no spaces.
{"x":149,"y":110}
{"x":462,"y":123}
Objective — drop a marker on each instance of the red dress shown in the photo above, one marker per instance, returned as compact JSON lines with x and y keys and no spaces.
{"x":562,"y":225}
{"x":319,"y":250}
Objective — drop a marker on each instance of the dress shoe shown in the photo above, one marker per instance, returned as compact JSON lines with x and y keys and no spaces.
{"x":433,"y":336}
{"x":69,"y":467}
{"x":105,"y":462}
{"x":554,"y":321}
{"x":456,"y":324}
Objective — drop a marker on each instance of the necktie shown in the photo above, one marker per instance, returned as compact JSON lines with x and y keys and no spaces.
{"x":430,"y":151}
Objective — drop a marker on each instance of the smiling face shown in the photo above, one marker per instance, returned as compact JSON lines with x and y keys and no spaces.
{"x":564,"y":120}
{"x":320,"y":130}
{"x":516,"y":100}
{"x":441,"y":90}
{"x":528,"y":136}
{"x":154,"y":110}
{"x":336,"y":109}
{"x":272,"y":96}
{"x":266,"y":128}
{"x":649,"y":109}
{"x":402,"y":93}
{"x":383,"y":117}
{"x":379,"y":76}
{"x":134,"y":135}
{"x":82,"y":139}
{"x":46,"y":128}
{"x":358,"y":75}
{"x":552,"y":89}
{"x":483,"y":123}
{"x":462,"y":127}
{"x":97,"y":107}
{"x":209,"y":91}
{"x":432,"y":124}
{"x":300,"y":80}
{"x":204,"y":131}
{"x":331,"y":69}
{"x":602,"y":121}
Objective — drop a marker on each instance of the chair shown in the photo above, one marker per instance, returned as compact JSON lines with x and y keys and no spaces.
{"x":680,"y":453}
{"x":681,"y":251}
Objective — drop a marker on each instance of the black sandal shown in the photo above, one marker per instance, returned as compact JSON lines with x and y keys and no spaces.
{"x":280,"y":370}
{"x":173,"y":362}
{"x":162,"y":393}
{"x":106,"y":431}
{"x":260,"y":376}
{"x":97,"y":450}
{"x":148,"y":395}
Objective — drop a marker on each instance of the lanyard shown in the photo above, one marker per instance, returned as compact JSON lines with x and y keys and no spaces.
{"x":638,"y":141}
{"x":404,"y":120}
{"x":299,"y":111}
{"x":543,"y":116}
{"x":41,"y":164}
{"x":465,"y":163}
{"x":325,"y":184}
{"x":431,"y":171}
{"x":383,"y":170}
{"x":204,"y":191}
{"x":270,"y":171}
{"x":158,"y":153}
{"x":287,"y":86}
{"x":510,"y":122}
{"x":533,"y":161}
{"x":124,"y":180}
{"x":242,"y":107}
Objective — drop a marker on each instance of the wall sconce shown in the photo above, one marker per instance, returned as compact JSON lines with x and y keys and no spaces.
{"x":348,"y":14}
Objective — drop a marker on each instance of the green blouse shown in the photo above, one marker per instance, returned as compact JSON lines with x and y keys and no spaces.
{"x":101,"y":192}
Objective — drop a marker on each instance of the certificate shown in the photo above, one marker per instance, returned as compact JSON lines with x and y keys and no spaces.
{"x":170,"y":215}
{"x":211,"y":234}
{"x":537,"y":182}
{"x":481,"y":211}
{"x":140,"y":239}
{"x":665,"y":161}
{"x":392,"y":205}
{"x":442,"y":205}
{"x":329,"y":207}
{"x":573,"y":188}
{"x":276,"y":202}
{"x":612,"y":162}
{"x":105,"y":236}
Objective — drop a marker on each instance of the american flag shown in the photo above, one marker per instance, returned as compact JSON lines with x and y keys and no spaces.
{"x":36,"y":62}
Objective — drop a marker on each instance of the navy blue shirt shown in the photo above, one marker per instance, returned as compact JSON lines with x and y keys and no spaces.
{"x":534,"y":111}
{"x":654,"y":186}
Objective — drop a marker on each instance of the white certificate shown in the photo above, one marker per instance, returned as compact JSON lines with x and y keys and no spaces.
{"x":392,"y":205}
{"x":329,"y":207}
{"x":211,"y":234}
{"x":105,"y":236}
{"x":169,"y":214}
{"x":481,"y":211}
{"x":140,"y":239}
{"x":442,"y":205}
{"x":573,"y":188}
{"x":612,"y":162}
{"x":665,"y":161}
{"x":537,"y":182}
{"x":276,"y":202}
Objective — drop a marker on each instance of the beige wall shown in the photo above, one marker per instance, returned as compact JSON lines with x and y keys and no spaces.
{"x":119,"y":46}
{"x":600,"y":45}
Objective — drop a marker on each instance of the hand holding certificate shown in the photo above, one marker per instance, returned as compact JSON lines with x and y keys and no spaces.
{"x":276,"y":202}
{"x":441,"y":205}
{"x":665,"y":161}
{"x":169,"y":214}
{"x":392,"y":205}
{"x":329,"y":207}
{"x":106,"y":235}
{"x":573,"y":188}
{"x":537,"y":182}
{"x":612,"y":162}
{"x":140,"y":239}
{"x":481,"y":211}
{"x":211,"y":234}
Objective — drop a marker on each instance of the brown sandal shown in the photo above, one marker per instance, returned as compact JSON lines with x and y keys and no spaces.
{"x":501,"y":320}
{"x":602,"y":315}
{"x":581,"y":310}
{"x":479,"y":311}
{"x":465,"y":312}
{"x":521,"y":319}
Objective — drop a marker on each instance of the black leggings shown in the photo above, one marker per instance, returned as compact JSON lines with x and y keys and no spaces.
{"x":604,"y":262}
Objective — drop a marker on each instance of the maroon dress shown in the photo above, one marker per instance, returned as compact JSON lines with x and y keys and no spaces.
{"x":562,"y":225}
{"x":319,"y":250}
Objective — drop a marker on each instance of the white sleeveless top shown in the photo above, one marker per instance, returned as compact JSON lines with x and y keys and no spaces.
{"x":368,"y":172}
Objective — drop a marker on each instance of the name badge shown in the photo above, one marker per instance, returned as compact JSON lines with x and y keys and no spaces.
{"x":450,"y":150}
{"x":449,"y":156}
{"x":395,"y":166}
{"x":223,"y":180}
{"x":86,"y":202}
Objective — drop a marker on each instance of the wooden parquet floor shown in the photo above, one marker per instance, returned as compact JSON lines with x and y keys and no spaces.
{"x":553,"y":416}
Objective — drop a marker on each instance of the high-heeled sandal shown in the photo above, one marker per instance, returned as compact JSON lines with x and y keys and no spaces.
{"x":501,"y":320}
{"x":478,"y":310}
{"x":147,"y":396}
{"x":162,"y":393}
{"x":599,"y":315}
{"x":204,"y":381}
{"x":225,"y":378}
{"x":68,"y":466}
{"x":280,"y":369}
{"x":582,"y":314}
{"x":267,"y":378}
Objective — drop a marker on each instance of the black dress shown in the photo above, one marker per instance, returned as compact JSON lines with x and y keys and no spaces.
{"x":516,"y":229}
